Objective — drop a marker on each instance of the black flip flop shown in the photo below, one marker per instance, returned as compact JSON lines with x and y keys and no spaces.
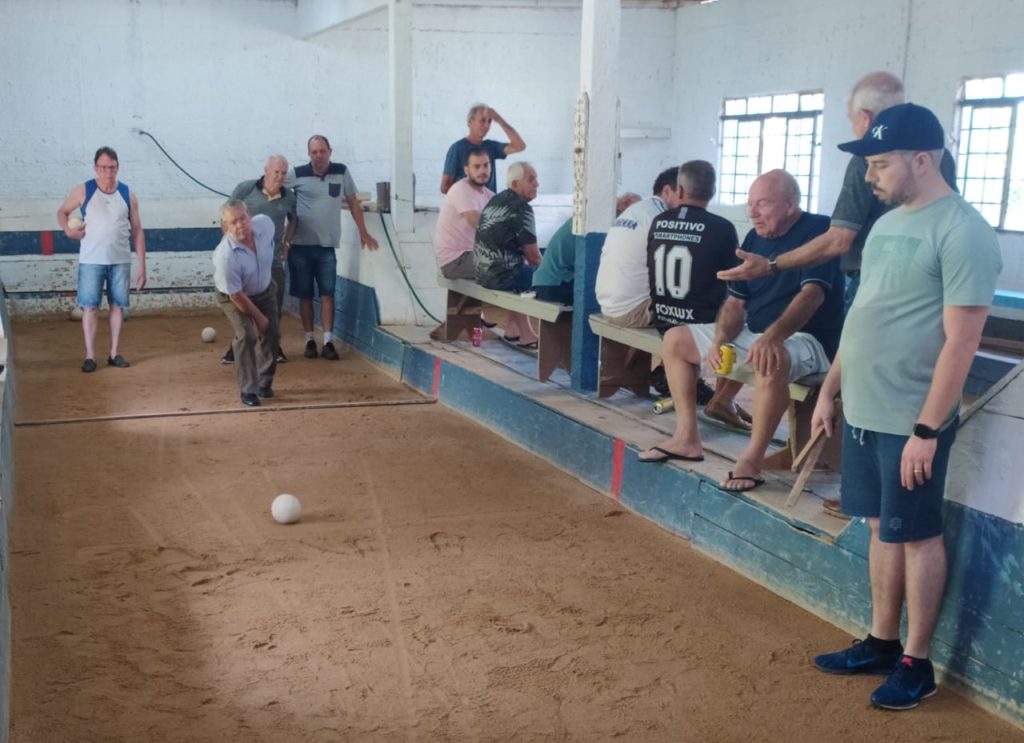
{"x":669,"y":456}
{"x":755,"y":482}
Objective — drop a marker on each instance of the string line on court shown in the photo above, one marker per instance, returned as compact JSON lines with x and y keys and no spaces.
{"x":191,"y":413}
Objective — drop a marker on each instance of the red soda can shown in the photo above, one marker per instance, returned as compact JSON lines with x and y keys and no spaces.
{"x":478,"y":336}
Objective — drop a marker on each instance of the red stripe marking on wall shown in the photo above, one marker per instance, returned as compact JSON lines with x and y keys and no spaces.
{"x":436,"y":387}
{"x":618,"y":454}
{"x":46,"y":240}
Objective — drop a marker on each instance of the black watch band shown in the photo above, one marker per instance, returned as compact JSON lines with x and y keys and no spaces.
{"x":925,"y":432}
{"x":773,"y":267}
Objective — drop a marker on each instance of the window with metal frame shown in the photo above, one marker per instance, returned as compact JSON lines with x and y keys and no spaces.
{"x":761,"y":133}
{"x":990,"y":156}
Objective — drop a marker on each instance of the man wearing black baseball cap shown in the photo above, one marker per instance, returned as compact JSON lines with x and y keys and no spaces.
{"x":928,"y":273}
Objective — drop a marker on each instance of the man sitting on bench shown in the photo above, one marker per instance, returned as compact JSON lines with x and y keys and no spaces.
{"x":785,"y":325}
{"x":505,"y":252}
{"x":686,"y":247}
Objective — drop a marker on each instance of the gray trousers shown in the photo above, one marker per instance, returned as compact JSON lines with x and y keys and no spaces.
{"x":255,"y":362}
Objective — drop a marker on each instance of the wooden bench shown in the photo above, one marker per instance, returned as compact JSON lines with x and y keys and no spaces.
{"x":625,"y":362}
{"x":554,"y":345}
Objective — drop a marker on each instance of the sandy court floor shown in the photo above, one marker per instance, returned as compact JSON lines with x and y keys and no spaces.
{"x":443,"y":584}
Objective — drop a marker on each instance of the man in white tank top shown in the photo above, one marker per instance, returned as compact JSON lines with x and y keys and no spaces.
{"x":107,"y":229}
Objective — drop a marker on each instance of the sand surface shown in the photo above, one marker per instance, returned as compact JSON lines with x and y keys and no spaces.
{"x":443,"y":584}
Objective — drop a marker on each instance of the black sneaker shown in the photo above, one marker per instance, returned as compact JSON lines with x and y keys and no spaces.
{"x":279,"y":357}
{"x":659,"y":381}
{"x":861,"y":657}
{"x":328,"y":352}
{"x":250,"y":400}
{"x":310,"y":352}
{"x":119,"y":361}
{"x":704,"y":392}
{"x":89,"y":366}
{"x":266,"y":392}
{"x":911,"y":681}
{"x":229,"y":357}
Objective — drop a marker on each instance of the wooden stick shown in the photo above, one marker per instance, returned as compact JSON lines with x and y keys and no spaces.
{"x":809,"y":457}
{"x":799,"y":460}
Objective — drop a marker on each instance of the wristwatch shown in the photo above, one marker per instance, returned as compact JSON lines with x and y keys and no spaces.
{"x":773,"y":266}
{"x":925,"y":432}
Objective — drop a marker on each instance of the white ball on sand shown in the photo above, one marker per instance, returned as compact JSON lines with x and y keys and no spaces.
{"x":75,"y":223}
{"x":76,"y":313}
{"x":209,"y":335}
{"x":286,"y":509}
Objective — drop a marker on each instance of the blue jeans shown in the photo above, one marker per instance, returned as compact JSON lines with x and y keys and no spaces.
{"x":309,"y":263}
{"x":92,"y":276}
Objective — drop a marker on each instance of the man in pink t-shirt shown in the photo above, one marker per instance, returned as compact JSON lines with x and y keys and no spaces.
{"x":456,"y":224}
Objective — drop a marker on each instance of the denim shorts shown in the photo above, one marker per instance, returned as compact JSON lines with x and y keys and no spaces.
{"x":309,"y":263}
{"x":871,"y":484}
{"x":92,"y":276}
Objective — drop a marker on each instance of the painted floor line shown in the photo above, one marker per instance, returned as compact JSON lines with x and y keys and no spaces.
{"x":190,"y":413}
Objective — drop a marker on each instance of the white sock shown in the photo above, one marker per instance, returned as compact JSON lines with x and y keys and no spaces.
{"x":328,"y":336}
{"x":309,"y":337}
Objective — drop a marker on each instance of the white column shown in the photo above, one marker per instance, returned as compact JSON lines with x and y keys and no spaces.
{"x":400,"y":88}
{"x":597,"y":134}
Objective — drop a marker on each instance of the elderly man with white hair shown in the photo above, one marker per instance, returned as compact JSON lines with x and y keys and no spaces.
{"x":785,"y":326}
{"x":505,"y":252}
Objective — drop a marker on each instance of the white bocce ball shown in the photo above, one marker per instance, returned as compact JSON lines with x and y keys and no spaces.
{"x":75,"y":223}
{"x":76,"y":313}
{"x":209,"y":335}
{"x":286,"y":509}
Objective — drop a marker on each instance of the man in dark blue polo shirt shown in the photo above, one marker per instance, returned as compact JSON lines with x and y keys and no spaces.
{"x":785,"y":325}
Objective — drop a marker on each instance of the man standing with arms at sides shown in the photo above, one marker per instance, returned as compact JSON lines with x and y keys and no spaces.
{"x":479,"y":121}
{"x":320,"y":187}
{"x":929,"y":273}
{"x":857,"y":207}
{"x":242,"y":269}
{"x":267,"y":195}
{"x":112,"y":225}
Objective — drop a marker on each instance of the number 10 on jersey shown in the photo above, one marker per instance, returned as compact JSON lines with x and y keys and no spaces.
{"x":672,"y":266}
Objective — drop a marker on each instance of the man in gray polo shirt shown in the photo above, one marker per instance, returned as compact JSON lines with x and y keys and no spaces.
{"x":268,"y":195}
{"x":320,"y":186}
{"x":242,"y":265}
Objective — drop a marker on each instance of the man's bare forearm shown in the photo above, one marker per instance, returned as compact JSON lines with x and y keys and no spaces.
{"x":833,"y":242}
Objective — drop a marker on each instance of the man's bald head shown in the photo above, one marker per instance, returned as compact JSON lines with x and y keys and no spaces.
{"x":773,"y":203}
{"x":274,"y":173}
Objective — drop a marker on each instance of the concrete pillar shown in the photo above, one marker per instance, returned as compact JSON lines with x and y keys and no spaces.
{"x":596,"y":171}
{"x":400,"y":89}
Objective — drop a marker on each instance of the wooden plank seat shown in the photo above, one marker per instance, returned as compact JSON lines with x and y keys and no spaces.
{"x":466,"y":299}
{"x":625,"y":362}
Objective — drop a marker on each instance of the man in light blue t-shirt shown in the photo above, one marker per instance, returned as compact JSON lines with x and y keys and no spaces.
{"x":928,"y":274}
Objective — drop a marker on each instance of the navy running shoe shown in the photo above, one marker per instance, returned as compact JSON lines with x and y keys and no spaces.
{"x":861,"y":657}
{"x":911,"y":681}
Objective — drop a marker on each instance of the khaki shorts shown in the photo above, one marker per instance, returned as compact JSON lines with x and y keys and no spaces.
{"x":806,"y":355}
{"x":638,"y":317}
{"x":460,"y":268}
